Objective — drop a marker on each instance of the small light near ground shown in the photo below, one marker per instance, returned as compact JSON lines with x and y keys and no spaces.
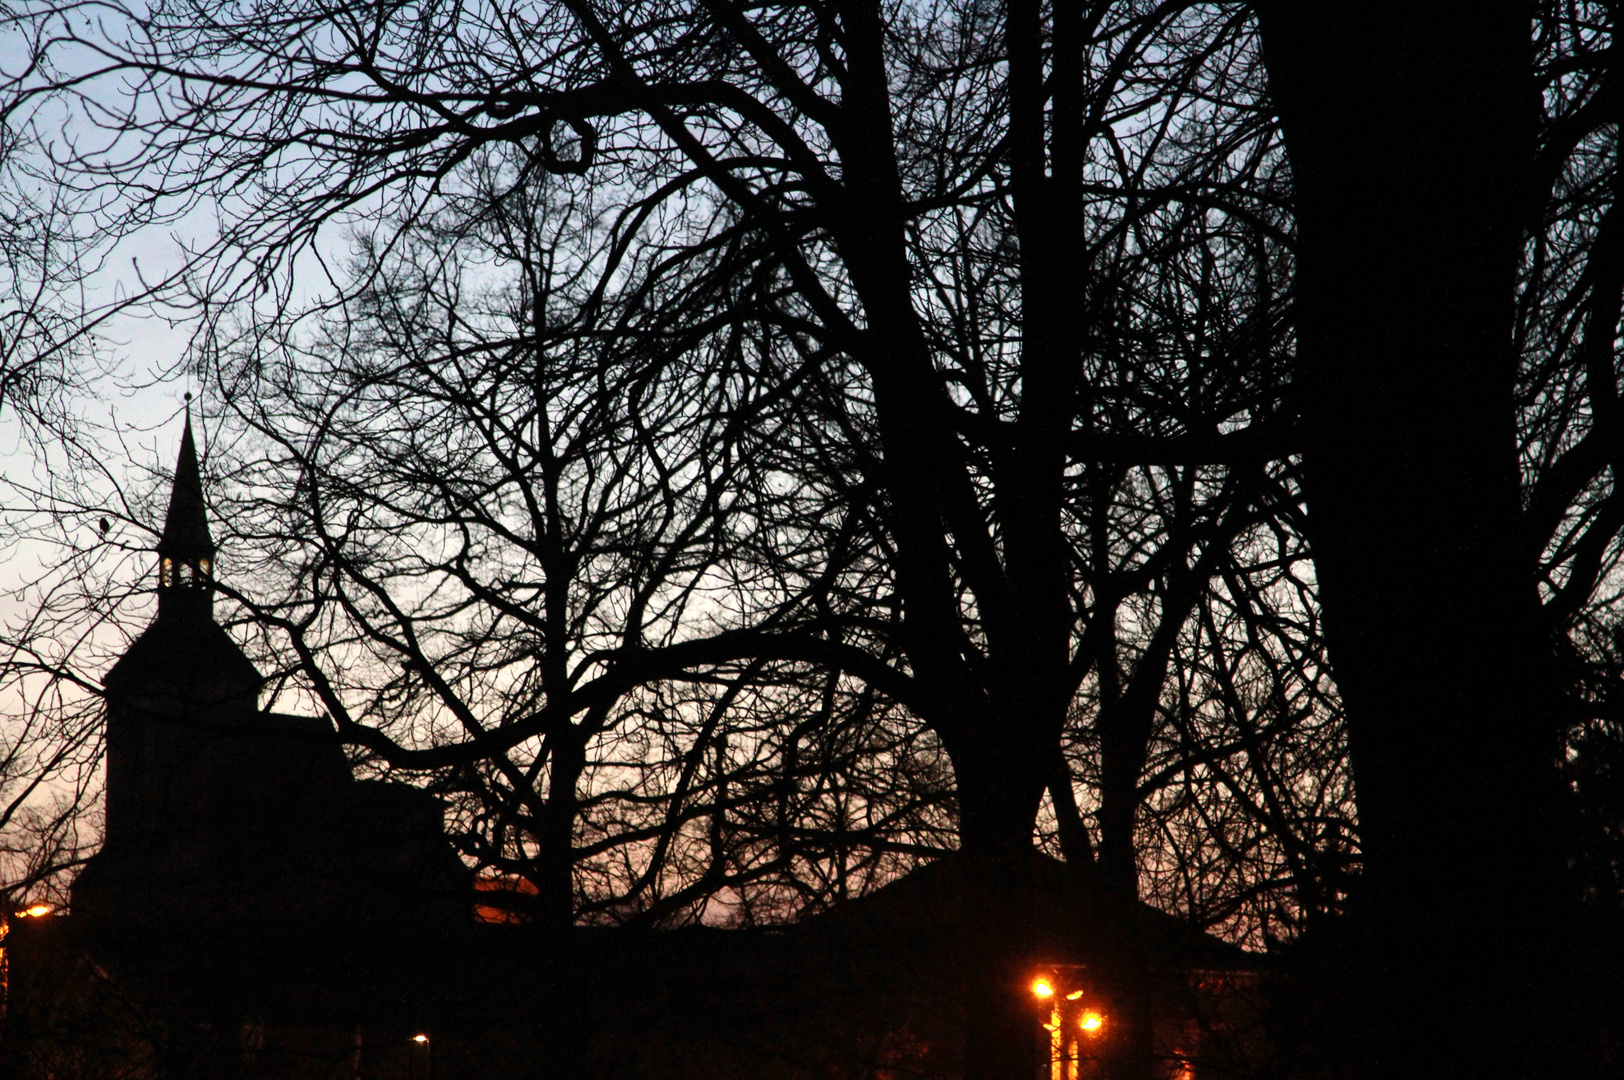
{"x":1042,"y":988}
{"x":35,"y":912}
{"x":1091,"y":1022}
{"x":420,"y":1038}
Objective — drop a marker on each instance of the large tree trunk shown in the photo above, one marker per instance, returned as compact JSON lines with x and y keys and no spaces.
{"x":998,"y":799}
{"x":553,"y":871}
{"x":1410,"y":133}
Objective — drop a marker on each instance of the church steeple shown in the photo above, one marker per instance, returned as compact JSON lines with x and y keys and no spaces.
{"x":186,"y":550}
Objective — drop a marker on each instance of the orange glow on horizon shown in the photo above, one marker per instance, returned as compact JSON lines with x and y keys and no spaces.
{"x":1042,"y":988}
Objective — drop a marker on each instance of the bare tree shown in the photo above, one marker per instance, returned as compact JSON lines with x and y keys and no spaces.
{"x":47,"y":353}
{"x":964,"y":331}
{"x":1025,"y":274}
{"x":491,"y":524}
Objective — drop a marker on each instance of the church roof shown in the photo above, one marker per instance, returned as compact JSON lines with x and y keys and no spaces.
{"x":186,"y":526}
{"x":194,"y":659}
{"x":1075,"y":918}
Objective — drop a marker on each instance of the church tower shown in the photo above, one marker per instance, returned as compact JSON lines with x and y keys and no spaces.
{"x":179,"y":682}
{"x":220,"y":813}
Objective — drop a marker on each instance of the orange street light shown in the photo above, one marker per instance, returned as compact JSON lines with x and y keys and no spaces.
{"x":423,"y":1055}
{"x":1042,"y":988}
{"x":36,"y":911}
{"x":1091,"y":1022}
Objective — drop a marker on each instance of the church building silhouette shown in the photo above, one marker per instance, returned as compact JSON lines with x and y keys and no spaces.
{"x":219,"y":812}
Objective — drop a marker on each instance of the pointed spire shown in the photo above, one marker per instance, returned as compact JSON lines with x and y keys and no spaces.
{"x":186,"y":550}
{"x":186,"y":527}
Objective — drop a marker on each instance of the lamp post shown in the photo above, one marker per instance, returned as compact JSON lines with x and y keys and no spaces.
{"x":1075,"y":1018}
{"x":422,"y":1051}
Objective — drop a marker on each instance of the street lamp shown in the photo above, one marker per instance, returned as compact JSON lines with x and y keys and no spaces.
{"x":424,"y":1052}
{"x":1071,"y":1019}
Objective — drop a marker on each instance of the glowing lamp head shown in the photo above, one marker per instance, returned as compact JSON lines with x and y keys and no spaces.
{"x":1091,"y":1022}
{"x":420,"y":1038}
{"x":1042,"y":988}
{"x":35,"y":912}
